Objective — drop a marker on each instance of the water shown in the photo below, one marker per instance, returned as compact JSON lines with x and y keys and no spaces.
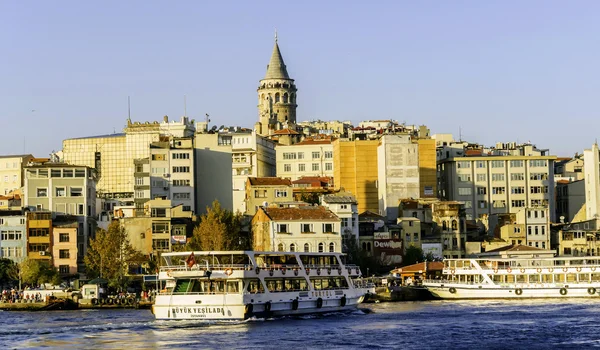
{"x":540,"y":324}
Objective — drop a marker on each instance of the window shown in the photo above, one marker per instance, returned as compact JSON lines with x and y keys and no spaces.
{"x":38,"y":232}
{"x":464,"y":191}
{"x":260,"y":193}
{"x":160,"y":244}
{"x":306,"y":247}
{"x":55,"y":173}
{"x":301,"y":167}
{"x":497,"y":177}
{"x":315,"y":166}
{"x":517,"y":190}
{"x":468,"y":204}
{"x":331,"y":247}
{"x":300,"y":155}
{"x":316,"y":155}
{"x":159,"y":212}
{"x":538,"y":189}
{"x":287,"y":168}
{"x":328,"y":154}
{"x":482,"y":204}
{"x":321,"y":247}
{"x":181,"y":156}
{"x":463,"y":165}
{"x":160,"y":227}
{"x":481,"y":164}
{"x":280,"y":247}
{"x":289,"y":155}
{"x":63,"y":254}
{"x":181,"y":169}
{"x":183,"y":195}
{"x":280,"y":193}
{"x":282,"y":228}
{"x":11,"y":235}
{"x":517,"y":177}
{"x":497,"y":164}
{"x":63,"y":237}
{"x":306,"y":228}
{"x":345,"y":222}
{"x":80,"y":209}
{"x":63,"y":269}
{"x":498,"y":190}
{"x":60,"y":191}
{"x":538,"y":163}
{"x":481,"y":177}
{"x":327,"y":228}
{"x":42,"y":192}
{"x":292,"y":247}
{"x":464,"y":177}
{"x":181,"y":183}
{"x":481,"y":190}
{"x":516,"y":163}
{"x":328,"y":166}
{"x":79,"y":172}
{"x":517,"y":203}
{"x":499,"y":204}
{"x":538,"y":176}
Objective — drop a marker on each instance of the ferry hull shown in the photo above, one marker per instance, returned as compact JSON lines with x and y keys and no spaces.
{"x":457,"y":291}
{"x":184,"y":310}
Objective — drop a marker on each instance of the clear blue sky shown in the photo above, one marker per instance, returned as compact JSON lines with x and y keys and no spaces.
{"x":499,"y":70}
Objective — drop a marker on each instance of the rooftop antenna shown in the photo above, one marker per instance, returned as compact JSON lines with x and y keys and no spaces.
{"x":184,"y":106}
{"x":276,"y":35}
{"x":128,"y":108}
{"x":459,"y":134}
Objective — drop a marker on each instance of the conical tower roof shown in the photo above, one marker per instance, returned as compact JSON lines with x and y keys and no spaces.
{"x":276,"y":68}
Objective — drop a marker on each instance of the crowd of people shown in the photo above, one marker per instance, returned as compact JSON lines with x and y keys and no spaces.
{"x":14,"y":296}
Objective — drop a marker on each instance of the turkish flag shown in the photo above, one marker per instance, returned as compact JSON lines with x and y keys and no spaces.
{"x":191,"y":260}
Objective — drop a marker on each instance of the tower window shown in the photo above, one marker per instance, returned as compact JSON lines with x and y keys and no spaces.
{"x":285,"y":98}
{"x":277,"y":98}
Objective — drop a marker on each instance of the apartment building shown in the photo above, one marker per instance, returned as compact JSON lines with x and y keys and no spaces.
{"x":345,"y":207}
{"x":168,"y":173}
{"x":13,"y":236}
{"x":304,"y":228}
{"x":64,"y":247}
{"x":263,"y":191}
{"x":11,"y":172}
{"x":311,"y":157}
{"x":239,"y":152}
{"x":63,"y":190}
{"x":498,"y":180}
{"x":580,"y":239}
{"x":591,"y":167}
{"x":39,"y":236}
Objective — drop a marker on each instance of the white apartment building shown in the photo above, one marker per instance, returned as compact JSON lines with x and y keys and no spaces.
{"x":345,"y":207}
{"x":239,"y":152}
{"x":397,"y":173}
{"x":11,"y":172}
{"x":307,"y":158}
{"x":497,"y":181}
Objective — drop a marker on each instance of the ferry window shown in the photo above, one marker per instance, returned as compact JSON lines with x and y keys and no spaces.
{"x":295,"y":284}
{"x":510,"y":278}
{"x":571,"y":277}
{"x":534,"y":278}
{"x":546,"y":278}
{"x":306,"y":247}
{"x":584,"y":277}
{"x":254,"y":286}
{"x":320,"y":247}
{"x":292,"y":247}
{"x":316,"y":284}
{"x":331,"y":247}
{"x":232,"y":287}
{"x":559,"y":278}
{"x":280,"y":247}
{"x":275,"y":285}
{"x":595,"y":277}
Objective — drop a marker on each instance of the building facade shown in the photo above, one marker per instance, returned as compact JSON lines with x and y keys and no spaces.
{"x":345,"y":207}
{"x":11,"y":172}
{"x":263,"y":191}
{"x":307,"y":158}
{"x":591,"y":166}
{"x":13,"y":236}
{"x":64,"y":247}
{"x":303,"y":229}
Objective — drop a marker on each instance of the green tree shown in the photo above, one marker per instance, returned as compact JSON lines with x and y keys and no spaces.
{"x":111,"y":254}
{"x":357,"y":256}
{"x":9,"y":272}
{"x":413,"y":255}
{"x":310,"y":197}
{"x":35,"y":272}
{"x":219,"y":229}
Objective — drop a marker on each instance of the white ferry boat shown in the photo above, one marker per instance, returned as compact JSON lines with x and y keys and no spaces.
{"x":242,"y":284}
{"x":517,"y":278}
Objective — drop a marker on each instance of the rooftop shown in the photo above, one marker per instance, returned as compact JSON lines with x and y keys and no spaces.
{"x":339,"y":199}
{"x":300,"y":213}
{"x":269,"y":181}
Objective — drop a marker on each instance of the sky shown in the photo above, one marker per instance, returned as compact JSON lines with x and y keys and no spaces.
{"x":498,"y":71}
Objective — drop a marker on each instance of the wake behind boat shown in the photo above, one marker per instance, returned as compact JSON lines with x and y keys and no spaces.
{"x":241,"y":284}
{"x":567,"y":277}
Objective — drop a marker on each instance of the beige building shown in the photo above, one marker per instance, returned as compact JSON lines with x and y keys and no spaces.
{"x":113,"y":155}
{"x":592,"y":182}
{"x":239,"y":152}
{"x":64,"y":248}
{"x":305,"y":229}
{"x":497,"y":181}
{"x":263,"y":191}
{"x":345,"y":207}
{"x":307,"y":158}
{"x":448,"y":216}
{"x":11,"y":172}
{"x":335,"y":128}
{"x":411,"y":231}
{"x":39,"y":236}
{"x":64,"y":190}
{"x":580,"y":239}
{"x":276,"y":97}
{"x":529,"y":226}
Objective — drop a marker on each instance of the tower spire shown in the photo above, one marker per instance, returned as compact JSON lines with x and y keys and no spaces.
{"x":276,"y":68}
{"x":275,"y":35}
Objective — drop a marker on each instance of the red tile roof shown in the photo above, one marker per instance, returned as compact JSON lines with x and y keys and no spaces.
{"x":301,"y":213}
{"x":269,"y":181}
{"x":514,"y":248}
{"x":286,"y":132}
{"x":431,"y":266}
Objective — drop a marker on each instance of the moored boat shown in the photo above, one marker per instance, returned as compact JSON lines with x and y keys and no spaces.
{"x":242,"y":284}
{"x":523,"y":278}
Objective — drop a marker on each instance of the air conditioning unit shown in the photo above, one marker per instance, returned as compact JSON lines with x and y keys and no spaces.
{"x":42,"y":253}
{"x":166,"y":175}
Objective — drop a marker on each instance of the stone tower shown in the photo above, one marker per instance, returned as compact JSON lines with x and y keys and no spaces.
{"x":276,"y":97}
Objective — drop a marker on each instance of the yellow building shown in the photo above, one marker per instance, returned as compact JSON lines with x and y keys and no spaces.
{"x":427,"y":168}
{"x":39,"y":236}
{"x":355,"y":170}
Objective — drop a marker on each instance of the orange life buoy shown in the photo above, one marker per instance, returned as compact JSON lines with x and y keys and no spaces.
{"x":495,"y":270}
{"x":509,"y":270}
{"x":593,"y":268}
{"x":551,"y":270}
{"x":539,"y":270}
{"x":228,"y":272}
{"x":565,"y":269}
{"x":578,"y":269}
{"x":522,"y":270}
{"x":453,"y":271}
{"x":169,"y":273}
